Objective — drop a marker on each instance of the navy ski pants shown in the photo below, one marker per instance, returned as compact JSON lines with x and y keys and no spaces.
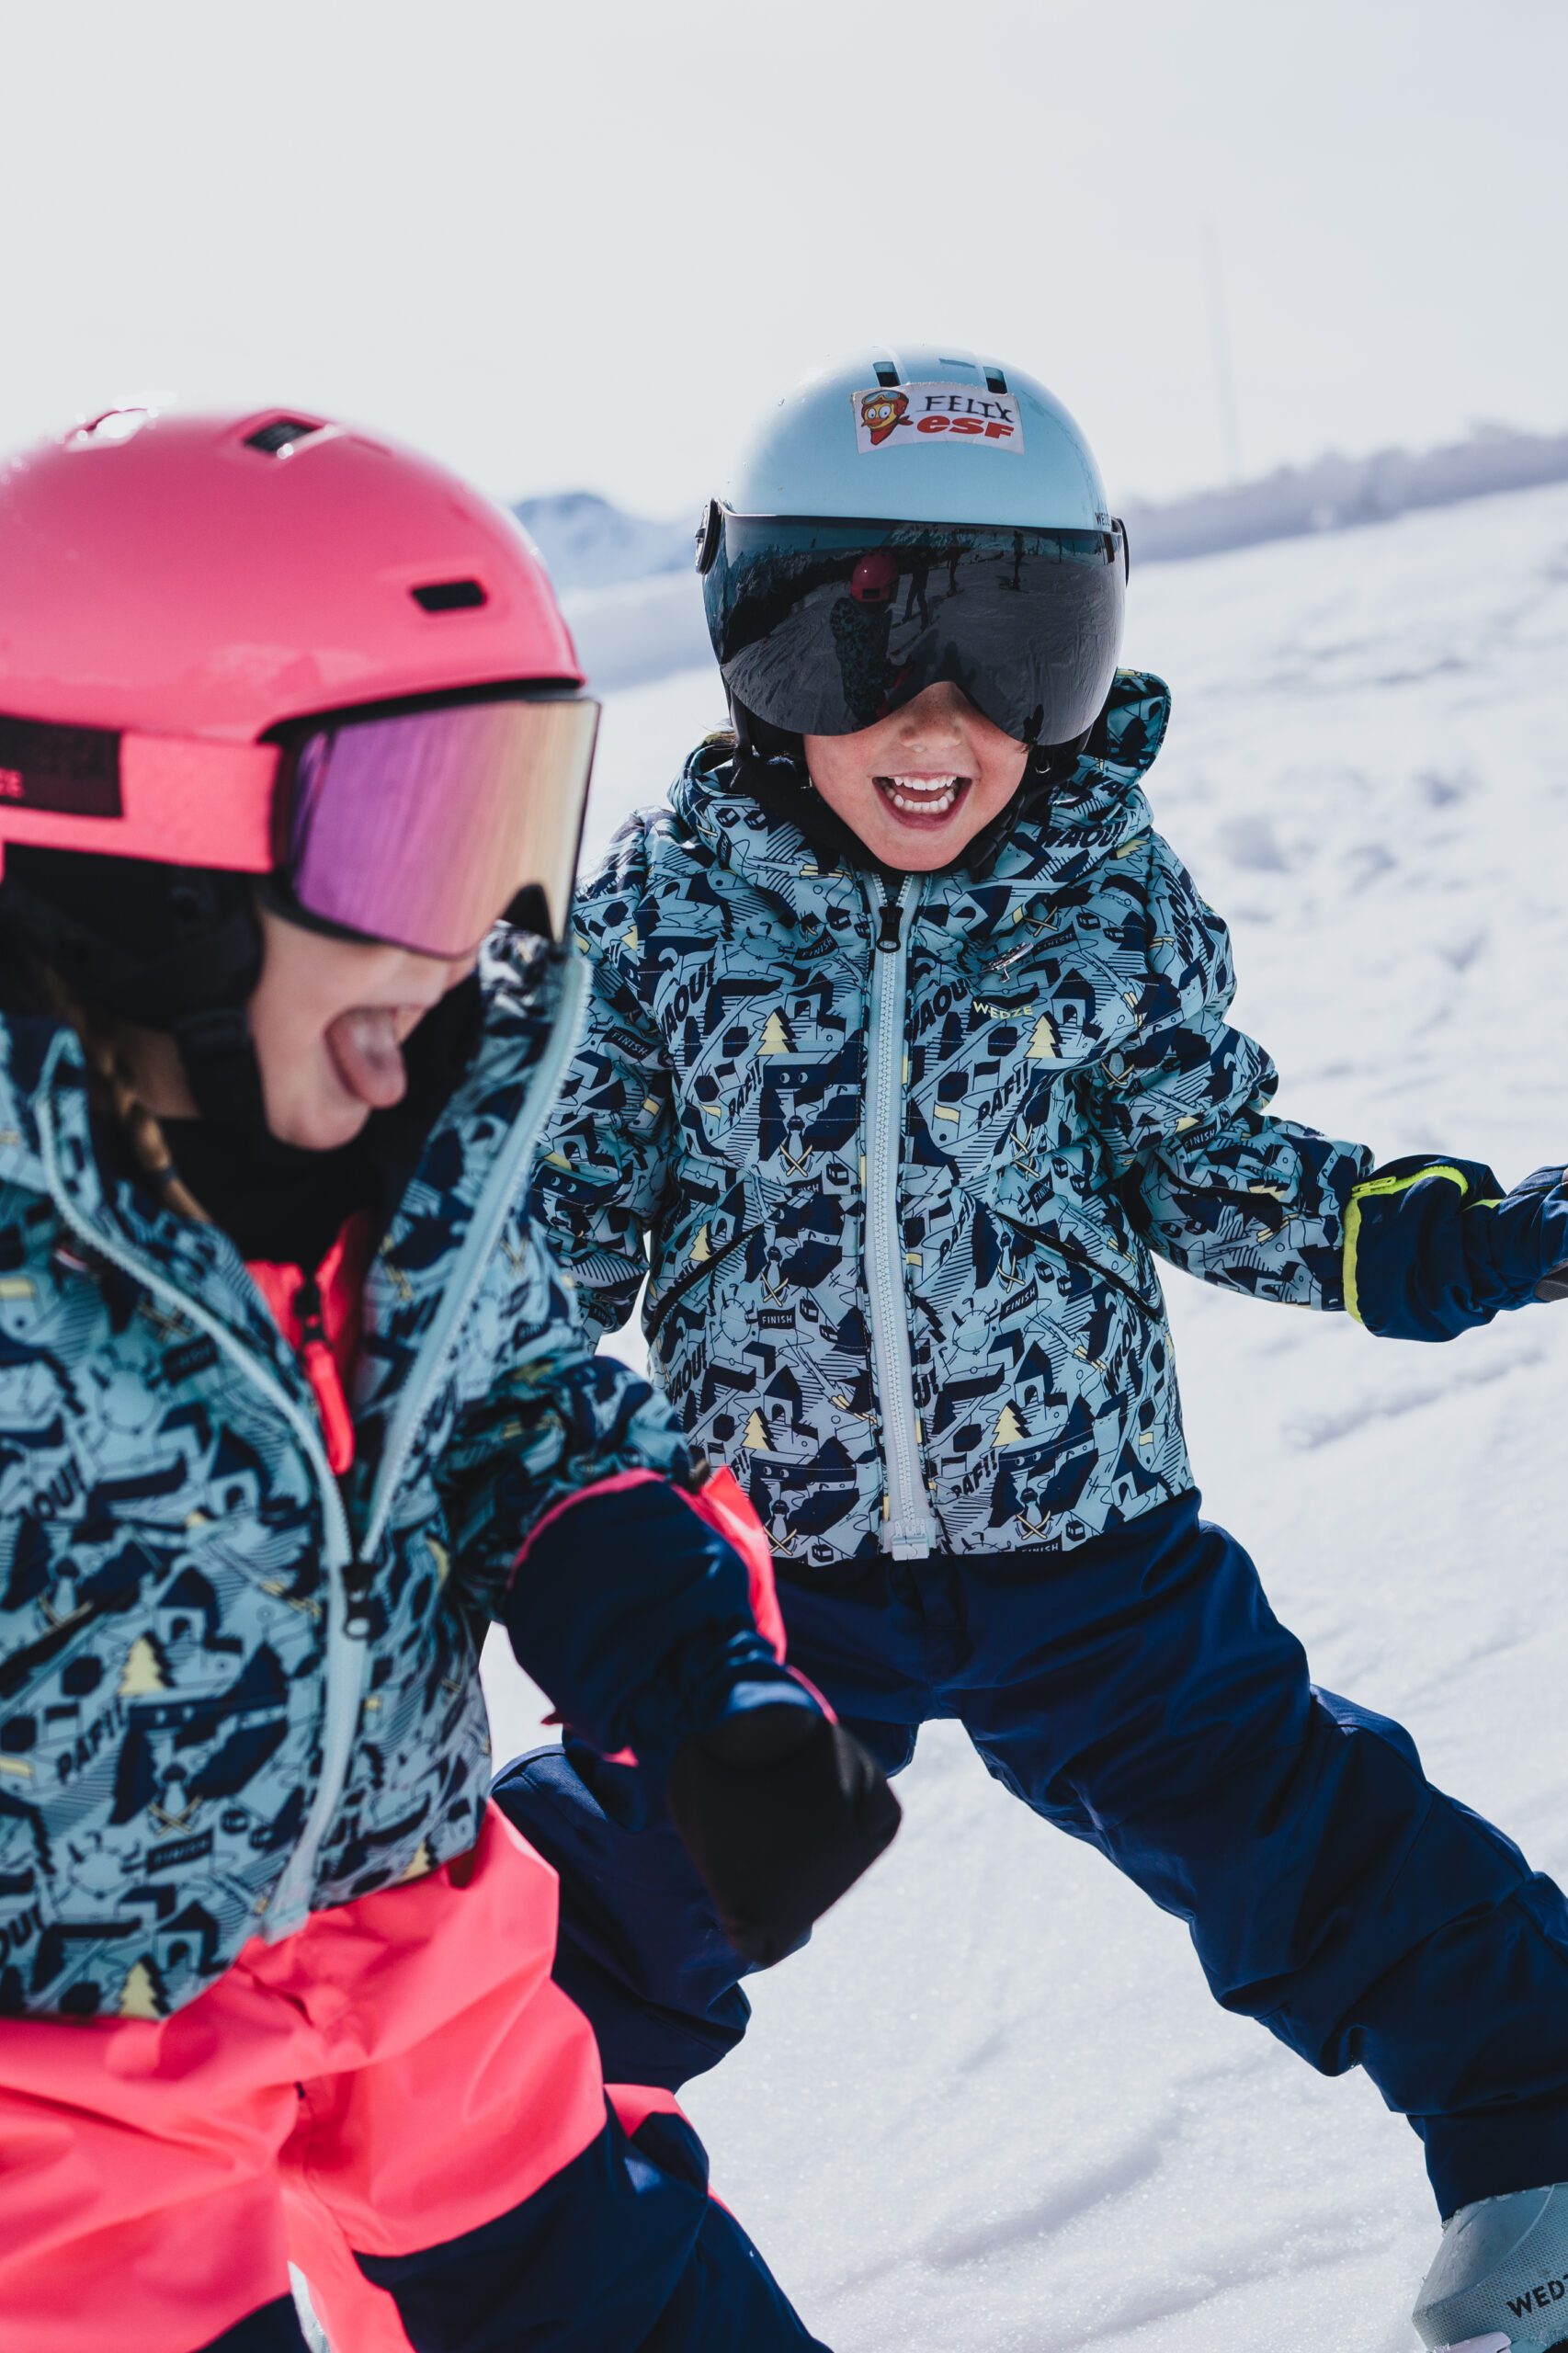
{"x":624,"y":2249}
{"x":1139,"y":1693}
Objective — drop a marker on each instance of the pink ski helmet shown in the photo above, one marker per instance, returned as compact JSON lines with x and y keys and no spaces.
{"x":874,"y":580}
{"x":272,"y":645}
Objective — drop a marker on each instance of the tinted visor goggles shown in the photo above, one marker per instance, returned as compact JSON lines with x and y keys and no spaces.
{"x":417,"y":825}
{"x":824,"y":627}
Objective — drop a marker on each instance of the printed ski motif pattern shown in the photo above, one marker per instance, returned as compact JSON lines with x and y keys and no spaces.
{"x":199,"y":1635}
{"x":1070,"y":1098}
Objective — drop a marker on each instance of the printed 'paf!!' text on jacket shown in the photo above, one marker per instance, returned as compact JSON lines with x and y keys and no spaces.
{"x":230,"y":1692}
{"x":904,"y":1151}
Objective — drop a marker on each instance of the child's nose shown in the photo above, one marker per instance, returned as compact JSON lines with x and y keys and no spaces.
{"x":933,"y":738}
{"x":936,"y":716}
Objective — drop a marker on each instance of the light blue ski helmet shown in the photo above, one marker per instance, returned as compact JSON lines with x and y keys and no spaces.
{"x":808,"y":456}
{"x":906,"y":517}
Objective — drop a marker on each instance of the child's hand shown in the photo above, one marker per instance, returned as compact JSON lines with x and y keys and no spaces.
{"x":1435,"y":1247}
{"x":780,"y":1811}
{"x":1532,"y":1231}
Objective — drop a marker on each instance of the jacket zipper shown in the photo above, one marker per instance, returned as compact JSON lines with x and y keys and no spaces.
{"x":321,"y":1370}
{"x":1076,"y":1257}
{"x":504,"y":1191}
{"x":911,"y":1527}
{"x":349,"y":1579}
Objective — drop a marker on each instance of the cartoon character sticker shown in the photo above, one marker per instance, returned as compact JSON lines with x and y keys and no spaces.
{"x":933,"y":413}
{"x":881,"y":414}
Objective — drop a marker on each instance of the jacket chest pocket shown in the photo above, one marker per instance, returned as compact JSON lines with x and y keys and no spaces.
{"x":756,"y":1266}
{"x":777,"y":1091}
{"x":1079,"y":1265}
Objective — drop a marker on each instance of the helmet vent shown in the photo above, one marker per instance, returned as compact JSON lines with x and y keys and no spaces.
{"x":887,"y":374}
{"x":448,"y":595}
{"x":994,"y":379}
{"x":278,"y":437}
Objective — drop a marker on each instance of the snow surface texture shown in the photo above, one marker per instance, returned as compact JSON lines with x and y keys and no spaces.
{"x":637,"y":611}
{"x":993,"y":2107}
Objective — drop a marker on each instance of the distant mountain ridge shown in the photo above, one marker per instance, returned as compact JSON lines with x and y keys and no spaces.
{"x":590,"y":543}
{"x":636,"y":609}
{"x":1335,"y":493}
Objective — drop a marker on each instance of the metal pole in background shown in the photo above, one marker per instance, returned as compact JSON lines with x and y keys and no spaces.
{"x":1220,"y":342}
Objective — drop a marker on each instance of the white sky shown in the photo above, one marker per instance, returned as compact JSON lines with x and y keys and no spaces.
{"x":582,"y":243}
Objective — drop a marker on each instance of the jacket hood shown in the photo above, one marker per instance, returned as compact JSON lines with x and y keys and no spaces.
{"x":1099,"y":811}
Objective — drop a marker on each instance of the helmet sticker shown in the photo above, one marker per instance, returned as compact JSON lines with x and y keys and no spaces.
{"x":934,"y":414}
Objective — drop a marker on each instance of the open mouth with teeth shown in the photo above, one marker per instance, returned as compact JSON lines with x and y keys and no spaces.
{"x":922,"y":800}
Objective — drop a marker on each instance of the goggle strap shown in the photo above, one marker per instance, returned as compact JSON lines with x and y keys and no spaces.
{"x":181,"y":800}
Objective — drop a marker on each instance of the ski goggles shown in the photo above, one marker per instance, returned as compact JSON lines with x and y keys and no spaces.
{"x":415,"y":826}
{"x":824,"y":627}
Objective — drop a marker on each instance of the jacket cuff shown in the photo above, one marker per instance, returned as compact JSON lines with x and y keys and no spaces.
{"x":1432,"y":1248}
{"x":632,"y":1610}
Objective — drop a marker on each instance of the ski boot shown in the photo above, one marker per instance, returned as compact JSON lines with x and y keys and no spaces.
{"x":1500,"y":2280}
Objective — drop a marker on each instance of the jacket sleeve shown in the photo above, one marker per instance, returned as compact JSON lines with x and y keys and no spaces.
{"x":1210,"y":1177}
{"x":1421,"y":1249}
{"x":569,"y":1500}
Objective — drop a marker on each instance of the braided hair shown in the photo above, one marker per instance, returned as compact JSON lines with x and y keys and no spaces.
{"x":113,"y":1094}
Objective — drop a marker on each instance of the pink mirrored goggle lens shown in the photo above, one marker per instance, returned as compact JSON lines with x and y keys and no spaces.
{"x":423,"y":827}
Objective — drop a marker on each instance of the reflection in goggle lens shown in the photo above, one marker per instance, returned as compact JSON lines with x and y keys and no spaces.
{"x":824,"y":627}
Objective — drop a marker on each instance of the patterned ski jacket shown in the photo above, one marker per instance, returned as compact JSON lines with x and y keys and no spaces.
{"x":231,"y":1692}
{"x":904,"y":1161}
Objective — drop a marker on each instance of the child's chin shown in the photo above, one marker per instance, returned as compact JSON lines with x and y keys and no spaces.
{"x":919,"y":850}
{"x":320,"y":1126}
{"x":922,"y":861}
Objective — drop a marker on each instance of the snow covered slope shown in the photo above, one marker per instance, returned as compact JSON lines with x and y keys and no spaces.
{"x":992,"y":2109}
